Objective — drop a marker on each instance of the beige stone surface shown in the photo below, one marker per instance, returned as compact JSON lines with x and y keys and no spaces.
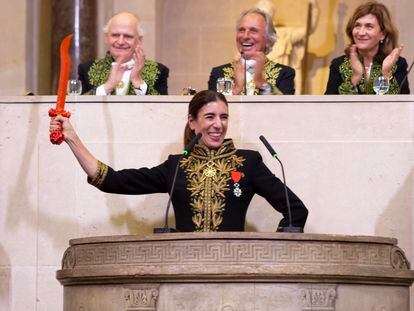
{"x":349,"y":158}
{"x":287,"y":297}
{"x":243,"y":297}
{"x":235,"y":271}
{"x":50,"y":296}
{"x":13,"y":51}
{"x":361,"y":298}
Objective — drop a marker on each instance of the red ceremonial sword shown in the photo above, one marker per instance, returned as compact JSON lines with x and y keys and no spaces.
{"x":56,"y":136}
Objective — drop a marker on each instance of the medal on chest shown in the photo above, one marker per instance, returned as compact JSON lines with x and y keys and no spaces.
{"x":210,"y":171}
{"x":236,"y":176}
{"x":120,"y":85}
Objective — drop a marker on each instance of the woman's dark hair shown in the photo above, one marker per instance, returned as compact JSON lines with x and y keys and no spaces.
{"x":383,"y":16}
{"x":197,"y":102}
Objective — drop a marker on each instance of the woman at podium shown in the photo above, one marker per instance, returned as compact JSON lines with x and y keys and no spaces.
{"x":215,"y":182}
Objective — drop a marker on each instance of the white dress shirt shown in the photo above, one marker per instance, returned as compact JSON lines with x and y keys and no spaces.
{"x":249,"y":77}
{"x":122,"y":87}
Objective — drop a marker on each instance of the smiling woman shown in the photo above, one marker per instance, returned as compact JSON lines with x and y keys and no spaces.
{"x":373,"y":51}
{"x":214,"y":184}
{"x":208,"y":114}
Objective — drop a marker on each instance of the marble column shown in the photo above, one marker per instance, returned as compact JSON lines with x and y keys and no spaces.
{"x":77,"y":17}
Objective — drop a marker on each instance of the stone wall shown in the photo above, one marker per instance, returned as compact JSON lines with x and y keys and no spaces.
{"x":349,"y":158}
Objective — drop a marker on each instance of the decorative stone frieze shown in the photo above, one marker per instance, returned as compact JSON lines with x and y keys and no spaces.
{"x":266,"y":252}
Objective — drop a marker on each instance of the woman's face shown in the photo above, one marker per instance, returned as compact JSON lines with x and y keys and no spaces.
{"x":211,"y":122}
{"x":367,"y":33}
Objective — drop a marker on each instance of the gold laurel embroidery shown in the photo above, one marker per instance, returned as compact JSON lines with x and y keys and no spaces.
{"x":271,"y":72}
{"x":207,"y":191}
{"x":365,"y":87}
{"x":99,"y":72}
{"x":229,"y":72}
{"x":100,"y":175}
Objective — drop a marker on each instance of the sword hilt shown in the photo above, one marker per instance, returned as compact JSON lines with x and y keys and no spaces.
{"x":57,"y":136}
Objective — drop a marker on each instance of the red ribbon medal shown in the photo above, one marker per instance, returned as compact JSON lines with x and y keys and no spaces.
{"x":236,"y":176}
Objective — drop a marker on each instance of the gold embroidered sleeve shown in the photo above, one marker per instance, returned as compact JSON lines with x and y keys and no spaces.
{"x":100,"y":175}
{"x":394,"y":86}
{"x":346,"y":87}
{"x":91,"y":92}
{"x":150,"y":74}
{"x":275,"y":90}
{"x":99,"y":71}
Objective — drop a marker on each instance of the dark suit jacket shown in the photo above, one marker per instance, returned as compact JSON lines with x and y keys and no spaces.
{"x":160,"y":85}
{"x":285,"y":82}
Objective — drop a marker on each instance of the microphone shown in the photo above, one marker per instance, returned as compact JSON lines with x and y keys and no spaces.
{"x":189,"y":147}
{"x":405,"y":78}
{"x":290,"y":227}
{"x":186,"y":152}
{"x":245,"y":72}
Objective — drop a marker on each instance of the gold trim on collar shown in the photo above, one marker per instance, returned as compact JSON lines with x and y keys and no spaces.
{"x":208,"y":175}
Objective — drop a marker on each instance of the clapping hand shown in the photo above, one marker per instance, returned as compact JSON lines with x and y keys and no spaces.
{"x":136,"y":72}
{"x":357,"y":67}
{"x":260,"y":61}
{"x":239,"y":72}
{"x":390,"y":61}
{"x":115,"y":76}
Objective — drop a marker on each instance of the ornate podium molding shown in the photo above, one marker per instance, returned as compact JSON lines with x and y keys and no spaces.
{"x":148,"y":267}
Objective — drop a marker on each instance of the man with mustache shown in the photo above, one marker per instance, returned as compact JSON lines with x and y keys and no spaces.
{"x":255,"y":38}
{"x":124,"y":70}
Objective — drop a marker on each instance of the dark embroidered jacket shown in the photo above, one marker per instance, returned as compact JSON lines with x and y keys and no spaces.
{"x":280,"y":77}
{"x":213,"y":188}
{"x":340,"y":73}
{"x":96,"y":73}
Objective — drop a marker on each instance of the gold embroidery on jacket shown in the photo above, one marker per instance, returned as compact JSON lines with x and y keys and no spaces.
{"x":100,"y":175}
{"x":271,"y":73}
{"x":208,"y":174}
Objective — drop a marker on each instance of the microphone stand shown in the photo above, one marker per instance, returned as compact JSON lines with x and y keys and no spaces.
{"x":167,"y":228}
{"x":245,"y":72}
{"x":405,"y":77}
{"x":290,"y":227}
{"x":187,"y":149}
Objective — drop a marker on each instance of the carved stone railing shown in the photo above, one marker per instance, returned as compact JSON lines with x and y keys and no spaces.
{"x":192,"y":271}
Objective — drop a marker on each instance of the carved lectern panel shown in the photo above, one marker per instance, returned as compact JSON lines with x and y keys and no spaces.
{"x":141,"y":297}
{"x":318,"y":298}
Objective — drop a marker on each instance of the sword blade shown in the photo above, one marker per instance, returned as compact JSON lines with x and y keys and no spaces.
{"x":57,"y":137}
{"x":64,"y":74}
